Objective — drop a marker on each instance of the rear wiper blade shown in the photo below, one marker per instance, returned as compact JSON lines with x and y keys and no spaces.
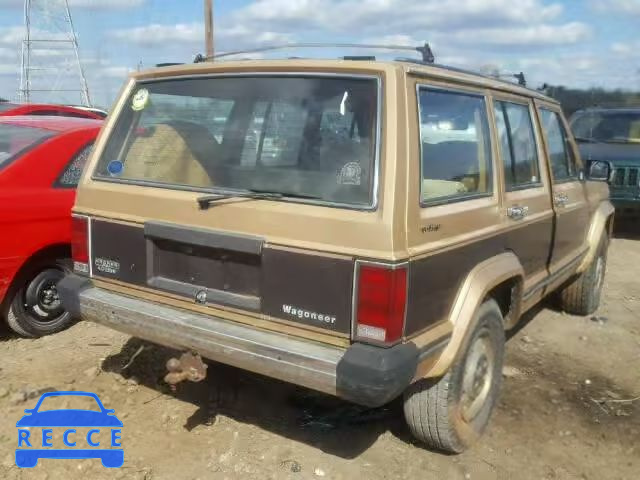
{"x":205,"y":201}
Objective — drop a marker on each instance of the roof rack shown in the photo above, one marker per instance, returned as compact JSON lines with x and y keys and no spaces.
{"x":424,"y":50}
{"x":522,"y":81}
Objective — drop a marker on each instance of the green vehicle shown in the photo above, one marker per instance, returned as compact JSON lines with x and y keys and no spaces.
{"x":613,"y":135}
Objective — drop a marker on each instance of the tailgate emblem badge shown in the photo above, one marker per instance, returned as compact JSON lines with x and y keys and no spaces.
{"x":201,"y":296}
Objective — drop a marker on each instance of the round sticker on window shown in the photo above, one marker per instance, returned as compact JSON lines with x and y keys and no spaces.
{"x":115,"y":167}
{"x":140,"y":100}
{"x":350,"y":174}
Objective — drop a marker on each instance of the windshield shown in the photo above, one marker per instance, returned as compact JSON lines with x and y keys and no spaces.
{"x":607,"y":127}
{"x":303,"y":136}
{"x":15,"y":139}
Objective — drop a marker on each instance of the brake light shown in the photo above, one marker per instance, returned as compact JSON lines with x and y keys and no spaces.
{"x":381,"y":303}
{"x":80,"y":244}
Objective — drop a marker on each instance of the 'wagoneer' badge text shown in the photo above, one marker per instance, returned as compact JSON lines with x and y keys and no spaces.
{"x":300,"y":313}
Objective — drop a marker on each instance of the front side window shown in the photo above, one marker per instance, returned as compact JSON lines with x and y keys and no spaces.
{"x":15,"y":139}
{"x":563,"y":163}
{"x":517,"y":145}
{"x":311,"y":137}
{"x":455,"y":145}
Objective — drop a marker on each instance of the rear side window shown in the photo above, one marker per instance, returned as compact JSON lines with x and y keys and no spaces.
{"x":563,"y":162}
{"x":15,"y":140}
{"x":517,"y":145}
{"x":455,"y":146}
{"x":70,"y":176}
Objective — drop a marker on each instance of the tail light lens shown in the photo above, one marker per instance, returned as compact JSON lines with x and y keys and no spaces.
{"x":80,"y":244}
{"x":381,"y":303}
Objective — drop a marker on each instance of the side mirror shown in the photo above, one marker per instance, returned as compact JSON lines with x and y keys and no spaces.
{"x":599,"y":171}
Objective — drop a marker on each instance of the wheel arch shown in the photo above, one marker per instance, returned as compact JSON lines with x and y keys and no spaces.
{"x":500,"y":278}
{"x":601,"y":221}
{"x":39,"y":258}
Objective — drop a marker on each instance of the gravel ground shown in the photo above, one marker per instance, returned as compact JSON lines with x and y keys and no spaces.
{"x":566,"y":409}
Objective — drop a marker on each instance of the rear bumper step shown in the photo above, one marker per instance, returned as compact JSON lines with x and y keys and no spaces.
{"x":364,"y":374}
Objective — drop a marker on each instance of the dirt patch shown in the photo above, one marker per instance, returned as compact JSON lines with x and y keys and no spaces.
{"x":566,"y":409}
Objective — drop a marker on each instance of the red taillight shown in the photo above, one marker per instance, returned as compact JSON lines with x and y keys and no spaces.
{"x":382,"y":298}
{"x":80,"y":244}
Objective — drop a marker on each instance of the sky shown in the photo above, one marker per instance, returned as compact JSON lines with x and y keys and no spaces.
{"x":578,"y":43}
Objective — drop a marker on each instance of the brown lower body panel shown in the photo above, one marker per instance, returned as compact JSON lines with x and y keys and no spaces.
{"x":434,"y":281}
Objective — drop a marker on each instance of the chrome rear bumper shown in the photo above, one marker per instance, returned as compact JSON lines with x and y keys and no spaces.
{"x":363,"y":374}
{"x":279,"y":356}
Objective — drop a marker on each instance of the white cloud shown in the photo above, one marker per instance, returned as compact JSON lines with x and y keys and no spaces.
{"x":106,"y":4}
{"x":235,"y":36}
{"x":155,"y":34}
{"x":8,"y":69}
{"x":623,"y":48}
{"x":535,"y":36}
{"x":520,"y":25}
{"x":357,"y":15}
{"x":628,"y":7}
{"x":11,"y":36}
{"x":113,"y":71}
{"x":87,"y":4}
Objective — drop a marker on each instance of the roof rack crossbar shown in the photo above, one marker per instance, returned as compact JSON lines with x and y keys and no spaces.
{"x":424,"y":50}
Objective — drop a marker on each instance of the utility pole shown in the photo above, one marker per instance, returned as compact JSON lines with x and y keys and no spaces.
{"x":208,"y":27}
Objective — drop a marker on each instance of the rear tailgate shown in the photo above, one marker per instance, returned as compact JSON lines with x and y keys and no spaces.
{"x":221,"y":269}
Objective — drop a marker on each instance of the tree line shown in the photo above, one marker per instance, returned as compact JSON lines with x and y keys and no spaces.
{"x":573,"y":99}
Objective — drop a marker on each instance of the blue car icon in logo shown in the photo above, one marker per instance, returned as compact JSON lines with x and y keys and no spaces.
{"x":32,"y":446}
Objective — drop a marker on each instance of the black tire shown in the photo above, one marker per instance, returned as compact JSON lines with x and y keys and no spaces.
{"x":582,"y":296}
{"x":35,"y":309}
{"x":439,"y":412}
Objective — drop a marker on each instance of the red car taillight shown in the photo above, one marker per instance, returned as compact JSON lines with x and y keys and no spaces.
{"x":80,"y":244}
{"x":381,"y":303}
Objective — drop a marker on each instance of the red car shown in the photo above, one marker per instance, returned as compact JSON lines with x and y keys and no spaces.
{"x":41,"y":160}
{"x":14,"y":109}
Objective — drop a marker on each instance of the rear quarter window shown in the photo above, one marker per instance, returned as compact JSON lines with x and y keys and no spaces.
{"x":70,"y":176}
{"x":456,"y":155}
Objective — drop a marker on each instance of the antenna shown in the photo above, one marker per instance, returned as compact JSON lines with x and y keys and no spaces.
{"x":50,"y":52}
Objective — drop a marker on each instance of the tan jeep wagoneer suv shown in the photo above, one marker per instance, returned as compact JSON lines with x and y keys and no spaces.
{"x":367,"y":229}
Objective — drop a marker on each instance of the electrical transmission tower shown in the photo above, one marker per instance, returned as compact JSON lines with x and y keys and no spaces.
{"x":50,"y":60}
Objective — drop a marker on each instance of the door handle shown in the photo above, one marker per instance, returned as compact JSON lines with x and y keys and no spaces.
{"x":561,"y":199}
{"x":517,"y":212}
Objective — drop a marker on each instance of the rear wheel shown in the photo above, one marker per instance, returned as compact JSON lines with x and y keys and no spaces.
{"x":35,"y":309}
{"x":450,"y":413}
{"x":582,"y":295}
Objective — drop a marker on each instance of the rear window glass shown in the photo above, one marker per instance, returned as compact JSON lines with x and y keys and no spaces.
{"x":15,"y":139}
{"x":4,"y":106}
{"x":311,"y":137}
